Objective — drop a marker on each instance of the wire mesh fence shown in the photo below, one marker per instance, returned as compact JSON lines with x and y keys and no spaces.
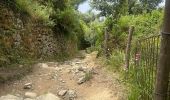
{"x":144,"y":60}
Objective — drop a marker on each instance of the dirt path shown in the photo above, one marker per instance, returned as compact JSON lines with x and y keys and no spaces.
{"x":86,"y":77}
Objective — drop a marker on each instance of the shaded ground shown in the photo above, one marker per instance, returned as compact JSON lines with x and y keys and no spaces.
{"x":53,"y":77}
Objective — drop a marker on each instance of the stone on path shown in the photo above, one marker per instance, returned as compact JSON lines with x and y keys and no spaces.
{"x":81,"y":69}
{"x":48,"y":96}
{"x":81,"y":80}
{"x":72,"y":94}
{"x":28,"y":86}
{"x":43,"y":65}
{"x":30,"y":95}
{"x":10,"y":97}
{"x":62,"y":92}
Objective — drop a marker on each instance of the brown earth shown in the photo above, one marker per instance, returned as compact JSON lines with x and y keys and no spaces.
{"x":54,"y":76}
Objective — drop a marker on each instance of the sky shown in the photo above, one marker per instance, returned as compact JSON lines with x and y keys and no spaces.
{"x":85,"y":7}
{"x":162,"y":4}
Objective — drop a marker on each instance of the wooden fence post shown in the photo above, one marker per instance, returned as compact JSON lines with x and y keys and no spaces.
{"x":163,"y":70}
{"x":106,"y":43}
{"x":128,"y":47}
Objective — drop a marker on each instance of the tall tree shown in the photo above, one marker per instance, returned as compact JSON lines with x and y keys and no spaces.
{"x":149,"y":5}
{"x":109,"y":7}
{"x":163,"y":71}
{"x":115,"y":7}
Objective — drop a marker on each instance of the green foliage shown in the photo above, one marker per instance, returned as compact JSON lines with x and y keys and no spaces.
{"x":134,"y":93}
{"x":35,"y":9}
{"x":146,"y":19}
{"x":88,"y":17}
{"x":88,"y":76}
{"x":107,"y":7}
{"x":65,"y":22}
{"x":118,"y":20}
{"x":150,"y":5}
{"x":141,"y":87}
{"x":117,"y":8}
{"x":116,"y":60}
{"x":62,"y":18}
{"x":144,"y":24}
{"x":92,"y":32}
{"x":14,"y":56}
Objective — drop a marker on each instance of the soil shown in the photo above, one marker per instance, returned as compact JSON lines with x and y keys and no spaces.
{"x":55,"y":76}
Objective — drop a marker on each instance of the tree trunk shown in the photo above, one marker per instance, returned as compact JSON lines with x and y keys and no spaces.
{"x":128,"y":47}
{"x":164,"y":60}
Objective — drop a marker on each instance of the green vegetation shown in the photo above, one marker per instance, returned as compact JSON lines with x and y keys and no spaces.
{"x":116,"y":60}
{"x":146,"y":17}
{"x":87,"y":30}
{"x":35,"y":9}
{"x":61,"y":17}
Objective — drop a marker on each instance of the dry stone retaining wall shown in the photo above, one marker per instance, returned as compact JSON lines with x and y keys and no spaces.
{"x":26,"y":37}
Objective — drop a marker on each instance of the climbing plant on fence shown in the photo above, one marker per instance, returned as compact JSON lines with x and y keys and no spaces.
{"x":143,"y":65}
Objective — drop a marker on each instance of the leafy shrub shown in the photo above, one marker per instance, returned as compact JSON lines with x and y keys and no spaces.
{"x":116,"y":60}
{"x":145,"y":24}
{"x":66,"y":22}
{"x":35,"y":9}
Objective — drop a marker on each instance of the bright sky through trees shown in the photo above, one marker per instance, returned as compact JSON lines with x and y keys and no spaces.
{"x":86,"y":7}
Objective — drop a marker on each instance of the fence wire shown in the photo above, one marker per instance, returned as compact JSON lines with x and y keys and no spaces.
{"x":144,"y":56}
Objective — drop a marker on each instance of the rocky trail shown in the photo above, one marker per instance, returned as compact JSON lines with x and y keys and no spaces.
{"x":77,"y":79}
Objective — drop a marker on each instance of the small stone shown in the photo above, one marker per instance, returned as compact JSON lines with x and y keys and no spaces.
{"x":15,"y":83}
{"x":76,"y":71}
{"x":28,"y":86}
{"x":20,"y":66}
{"x":62,"y":92}
{"x":55,"y":76}
{"x":30,"y":95}
{"x":81,"y":80}
{"x":43,"y":65}
{"x":60,"y":80}
{"x":58,"y":69}
{"x":78,"y":63}
{"x":72,"y":94}
{"x":95,"y":72}
{"x":80,"y":69}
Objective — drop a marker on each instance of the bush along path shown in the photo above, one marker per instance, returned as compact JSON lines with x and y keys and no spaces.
{"x":77,"y":79}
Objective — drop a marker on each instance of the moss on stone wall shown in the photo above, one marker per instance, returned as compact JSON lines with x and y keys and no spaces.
{"x":27,"y":38}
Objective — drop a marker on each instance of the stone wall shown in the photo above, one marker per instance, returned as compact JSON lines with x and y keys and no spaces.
{"x":23,"y":37}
